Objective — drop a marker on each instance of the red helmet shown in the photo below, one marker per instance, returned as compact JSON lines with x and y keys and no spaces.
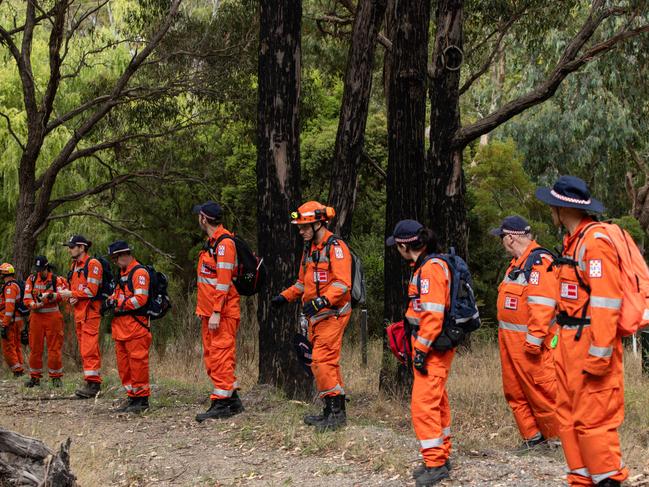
{"x":311,"y":212}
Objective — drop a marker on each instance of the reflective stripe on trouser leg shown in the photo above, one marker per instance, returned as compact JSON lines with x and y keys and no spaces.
{"x":37,"y":326}
{"x":51,"y":325}
{"x":12,"y":350}
{"x":88,"y":335}
{"x":326,"y":337}
{"x":219,"y":353}
{"x":137,"y":355}
{"x":123,"y":366}
{"x":429,"y":406}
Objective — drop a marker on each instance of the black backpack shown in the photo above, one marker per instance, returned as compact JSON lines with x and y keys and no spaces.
{"x":20,"y":305}
{"x":534,"y":258}
{"x":250,"y":275}
{"x":107,"y":285}
{"x":158,"y":303}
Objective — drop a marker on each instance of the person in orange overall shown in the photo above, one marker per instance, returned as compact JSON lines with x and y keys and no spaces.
{"x":323,"y":286}
{"x":12,"y":320}
{"x":588,"y":360}
{"x":218,"y":306}
{"x":428,"y":299}
{"x":527,"y":299}
{"x":131,"y":327}
{"x":83,"y":294}
{"x":42,"y":297}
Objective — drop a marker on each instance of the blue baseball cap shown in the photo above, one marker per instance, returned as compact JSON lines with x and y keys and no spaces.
{"x":210,"y":209}
{"x":405,"y":231}
{"x":77,"y":240}
{"x":118,"y":247}
{"x":570,"y":192}
{"x":512,"y":225}
{"x":40,"y":263}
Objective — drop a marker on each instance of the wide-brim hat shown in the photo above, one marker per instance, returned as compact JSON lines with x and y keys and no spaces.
{"x":570,"y":192}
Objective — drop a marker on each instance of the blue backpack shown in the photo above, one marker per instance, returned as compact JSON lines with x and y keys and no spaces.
{"x":462,"y":316}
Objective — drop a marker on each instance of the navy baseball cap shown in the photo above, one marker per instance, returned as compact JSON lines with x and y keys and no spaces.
{"x":78,"y":240}
{"x":570,"y":192}
{"x":405,"y":231}
{"x":118,"y":247}
{"x":40,"y":263}
{"x":512,"y":225}
{"x":210,"y":209}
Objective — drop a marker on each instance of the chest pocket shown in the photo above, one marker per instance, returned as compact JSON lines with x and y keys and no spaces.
{"x":513,"y":297}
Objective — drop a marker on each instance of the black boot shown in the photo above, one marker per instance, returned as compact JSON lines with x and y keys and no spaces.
{"x":532,"y":443}
{"x":122,"y":409}
{"x":336,"y":417}
{"x":236,"y":406}
{"x":220,"y":408}
{"x":313,"y":419}
{"x":432,"y":476}
{"x":422,"y":468}
{"x":19,"y":373}
{"x":609,"y":483}
{"x":57,"y":382}
{"x":88,"y":390}
{"x":139,"y":405}
{"x":32,"y":382}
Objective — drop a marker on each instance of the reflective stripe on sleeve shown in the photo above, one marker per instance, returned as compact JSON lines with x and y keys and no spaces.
{"x":92,"y":280}
{"x":534,"y":340}
{"x":52,"y":309}
{"x":645,"y":315}
{"x":542,"y":300}
{"x":602,"y":352}
{"x":424,"y":342}
{"x":432,"y":443}
{"x":223,"y":287}
{"x":340,"y":285}
{"x":607,"y":303}
{"x":10,"y":300}
{"x":299,"y":285}
{"x":436,"y":307}
{"x":503,"y":325}
{"x":135,"y":302}
{"x":88,"y":293}
{"x":141,"y":292}
{"x":212,"y":281}
{"x":224,"y":265}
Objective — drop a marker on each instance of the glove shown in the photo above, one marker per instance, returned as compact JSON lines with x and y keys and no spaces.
{"x":419,"y":362}
{"x":4,"y":333}
{"x":24,"y":336}
{"x":278,"y":301}
{"x":310,"y":308}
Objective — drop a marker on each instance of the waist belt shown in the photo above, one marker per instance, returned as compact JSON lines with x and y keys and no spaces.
{"x":565,"y":320}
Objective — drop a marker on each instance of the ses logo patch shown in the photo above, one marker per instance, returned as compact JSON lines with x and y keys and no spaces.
{"x":511,"y":302}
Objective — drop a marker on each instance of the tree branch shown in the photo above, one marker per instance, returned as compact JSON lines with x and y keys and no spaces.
{"x":117,"y":227}
{"x":569,"y":62}
{"x":11,"y":131}
{"x":56,"y":40}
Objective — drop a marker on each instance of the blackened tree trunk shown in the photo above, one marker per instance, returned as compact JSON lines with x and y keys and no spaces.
{"x":406,"y":142}
{"x":278,"y":189}
{"x":353,"y":112}
{"x":445,"y":211}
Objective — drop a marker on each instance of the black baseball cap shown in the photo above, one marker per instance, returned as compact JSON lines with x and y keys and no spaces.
{"x":118,"y":247}
{"x":40,"y":263}
{"x":78,"y":240}
{"x":210,"y":209}
{"x":512,"y":225}
{"x":405,"y":231}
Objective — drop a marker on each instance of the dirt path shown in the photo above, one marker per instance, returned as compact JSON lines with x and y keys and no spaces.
{"x":167,"y":447}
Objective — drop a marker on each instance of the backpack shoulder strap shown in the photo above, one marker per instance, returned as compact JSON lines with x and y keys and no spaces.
{"x":535,"y":257}
{"x":129,"y":279}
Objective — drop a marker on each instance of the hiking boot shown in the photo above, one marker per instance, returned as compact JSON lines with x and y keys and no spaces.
{"x":422,"y":468}
{"x":57,"y":382}
{"x":313,"y":419}
{"x":138,"y":405}
{"x":609,"y":483}
{"x":432,"y":476}
{"x":88,"y":390}
{"x":19,"y":373}
{"x":221,"y":408}
{"x":336,"y":417}
{"x":125,"y":405}
{"x":535,"y":442}
{"x":33,"y":381}
{"x":236,"y":406}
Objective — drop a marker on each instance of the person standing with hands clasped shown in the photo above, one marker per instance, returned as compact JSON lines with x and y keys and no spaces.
{"x":218,"y":306}
{"x":428,"y":299}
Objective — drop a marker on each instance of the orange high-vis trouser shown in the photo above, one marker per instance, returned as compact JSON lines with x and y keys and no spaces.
{"x":88,"y":338}
{"x":220,"y":356}
{"x":133,"y":365}
{"x":327,"y":339}
{"x":46,"y":327}
{"x":431,"y":411}
{"x":590,"y":409}
{"x":529,"y":385}
{"x":11,"y":348}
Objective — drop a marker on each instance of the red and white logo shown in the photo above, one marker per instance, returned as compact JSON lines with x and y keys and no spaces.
{"x":221,"y":250}
{"x":595,"y":268}
{"x":535,"y":277}
{"x":425,"y":286}
{"x":320,"y":276}
{"x":511,"y":302}
{"x":416,"y":304}
{"x":141,"y":280}
{"x":569,"y":290}
{"x":338,"y":252}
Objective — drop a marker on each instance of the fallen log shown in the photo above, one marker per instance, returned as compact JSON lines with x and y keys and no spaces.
{"x":27,"y":462}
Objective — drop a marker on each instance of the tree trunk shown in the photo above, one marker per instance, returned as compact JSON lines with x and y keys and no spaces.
{"x":406,"y":142}
{"x":353,"y":113}
{"x":278,"y":189}
{"x":446,"y":212}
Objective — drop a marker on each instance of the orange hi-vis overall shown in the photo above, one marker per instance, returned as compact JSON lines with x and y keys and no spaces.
{"x":329,"y":276}
{"x":13,"y":321}
{"x":45,"y":323}
{"x":131,"y":332}
{"x":526,"y":312}
{"x":429,"y":297}
{"x":216,"y":294}
{"x":590,"y":379}
{"x":87,"y":315}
